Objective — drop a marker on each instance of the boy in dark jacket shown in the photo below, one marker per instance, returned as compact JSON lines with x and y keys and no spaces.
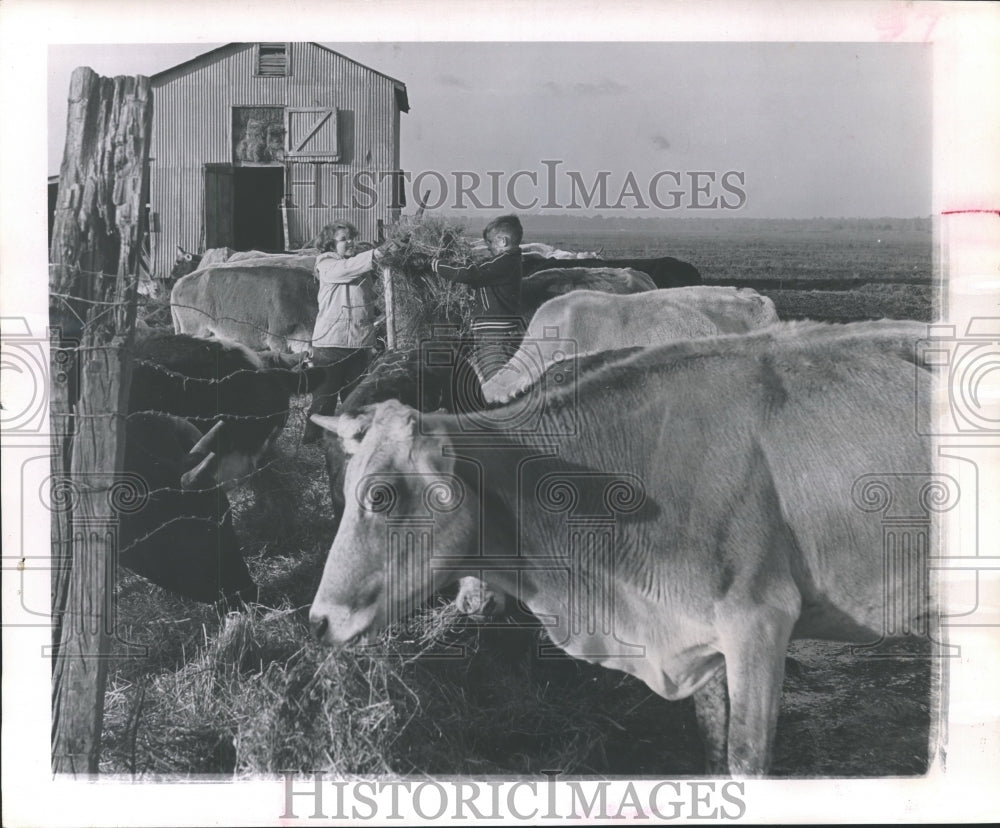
{"x":497,"y":325}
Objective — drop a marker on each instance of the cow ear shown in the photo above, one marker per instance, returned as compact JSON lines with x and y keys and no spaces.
{"x":350,"y":429}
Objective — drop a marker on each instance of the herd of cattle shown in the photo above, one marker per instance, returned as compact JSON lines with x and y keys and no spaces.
{"x":715,"y":446}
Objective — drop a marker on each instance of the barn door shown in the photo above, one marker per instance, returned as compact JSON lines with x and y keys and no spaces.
{"x":219,"y":206}
{"x":257,"y":208}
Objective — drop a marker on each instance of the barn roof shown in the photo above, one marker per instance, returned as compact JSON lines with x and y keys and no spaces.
{"x":169,"y":74}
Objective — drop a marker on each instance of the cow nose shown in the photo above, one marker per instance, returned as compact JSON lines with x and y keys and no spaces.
{"x":319,"y":625}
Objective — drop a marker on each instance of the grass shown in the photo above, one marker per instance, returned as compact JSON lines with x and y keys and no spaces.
{"x":248,"y":693}
{"x":785,"y":250}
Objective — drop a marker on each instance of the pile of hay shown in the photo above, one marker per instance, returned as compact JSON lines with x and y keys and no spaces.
{"x":429,"y":237}
{"x":422,"y":299}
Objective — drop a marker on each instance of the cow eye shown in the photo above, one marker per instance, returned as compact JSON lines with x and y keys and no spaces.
{"x":378,"y":496}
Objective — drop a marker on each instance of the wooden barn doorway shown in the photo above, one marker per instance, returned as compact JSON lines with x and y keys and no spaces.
{"x":243,"y":207}
{"x":257,"y":194}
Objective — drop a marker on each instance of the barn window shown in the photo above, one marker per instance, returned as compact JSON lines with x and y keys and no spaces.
{"x":272,"y":60}
{"x":258,"y":135}
{"x":312,"y":133}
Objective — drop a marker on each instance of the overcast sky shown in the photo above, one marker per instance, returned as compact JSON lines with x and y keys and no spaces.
{"x":815,"y":129}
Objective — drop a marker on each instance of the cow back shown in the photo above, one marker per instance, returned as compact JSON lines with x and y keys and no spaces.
{"x":827,"y":404}
{"x":207,"y":380}
{"x":261,"y":306}
{"x":587,"y":321}
{"x":547,"y":284}
{"x":665,"y":271}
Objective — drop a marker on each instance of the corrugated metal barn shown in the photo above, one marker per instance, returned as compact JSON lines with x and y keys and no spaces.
{"x":256,"y":146}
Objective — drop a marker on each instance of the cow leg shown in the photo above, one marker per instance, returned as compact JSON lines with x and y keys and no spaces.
{"x":711,"y":707}
{"x":755,"y":672}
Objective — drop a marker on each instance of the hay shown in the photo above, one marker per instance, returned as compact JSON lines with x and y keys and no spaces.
{"x":422,"y":299}
{"x":430,"y":237}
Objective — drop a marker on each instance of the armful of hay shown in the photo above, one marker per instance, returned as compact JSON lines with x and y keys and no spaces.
{"x":429,"y":298}
{"x":426,"y":238}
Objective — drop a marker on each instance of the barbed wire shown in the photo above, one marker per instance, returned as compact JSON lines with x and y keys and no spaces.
{"x":256,"y":329}
{"x":211,"y":521}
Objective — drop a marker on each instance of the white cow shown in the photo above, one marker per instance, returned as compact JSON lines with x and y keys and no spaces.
{"x":586,"y":321}
{"x":735,"y":489}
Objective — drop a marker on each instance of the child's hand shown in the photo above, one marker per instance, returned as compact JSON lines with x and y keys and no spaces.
{"x":418,"y":261}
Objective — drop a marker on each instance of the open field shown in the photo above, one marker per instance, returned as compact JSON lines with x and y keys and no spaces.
{"x":887,"y":272}
{"x":249,"y":694}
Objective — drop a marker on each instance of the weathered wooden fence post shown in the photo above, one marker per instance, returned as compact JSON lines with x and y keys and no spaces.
{"x":93,"y":278}
{"x":403,"y":311}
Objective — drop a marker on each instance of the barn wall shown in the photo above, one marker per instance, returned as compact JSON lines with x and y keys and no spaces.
{"x":193,"y":124}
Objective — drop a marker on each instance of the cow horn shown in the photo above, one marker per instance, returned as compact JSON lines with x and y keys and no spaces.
{"x":207,"y":443}
{"x":191,"y":479}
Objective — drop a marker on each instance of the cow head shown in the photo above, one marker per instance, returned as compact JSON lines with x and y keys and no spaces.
{"x":225,"y":458}
{"x":209,"y":466}
{"x":380,"y":565}
{"x":184,"y":264}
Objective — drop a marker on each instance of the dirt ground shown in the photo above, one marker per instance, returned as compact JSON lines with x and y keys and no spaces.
{"x":866,"y":302}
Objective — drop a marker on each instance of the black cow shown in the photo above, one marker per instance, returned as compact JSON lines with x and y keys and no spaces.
{"x":665,"y":271}
{"x":543,"y":285}
{"x":181,"y":540}
{"x":227,"y":391}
